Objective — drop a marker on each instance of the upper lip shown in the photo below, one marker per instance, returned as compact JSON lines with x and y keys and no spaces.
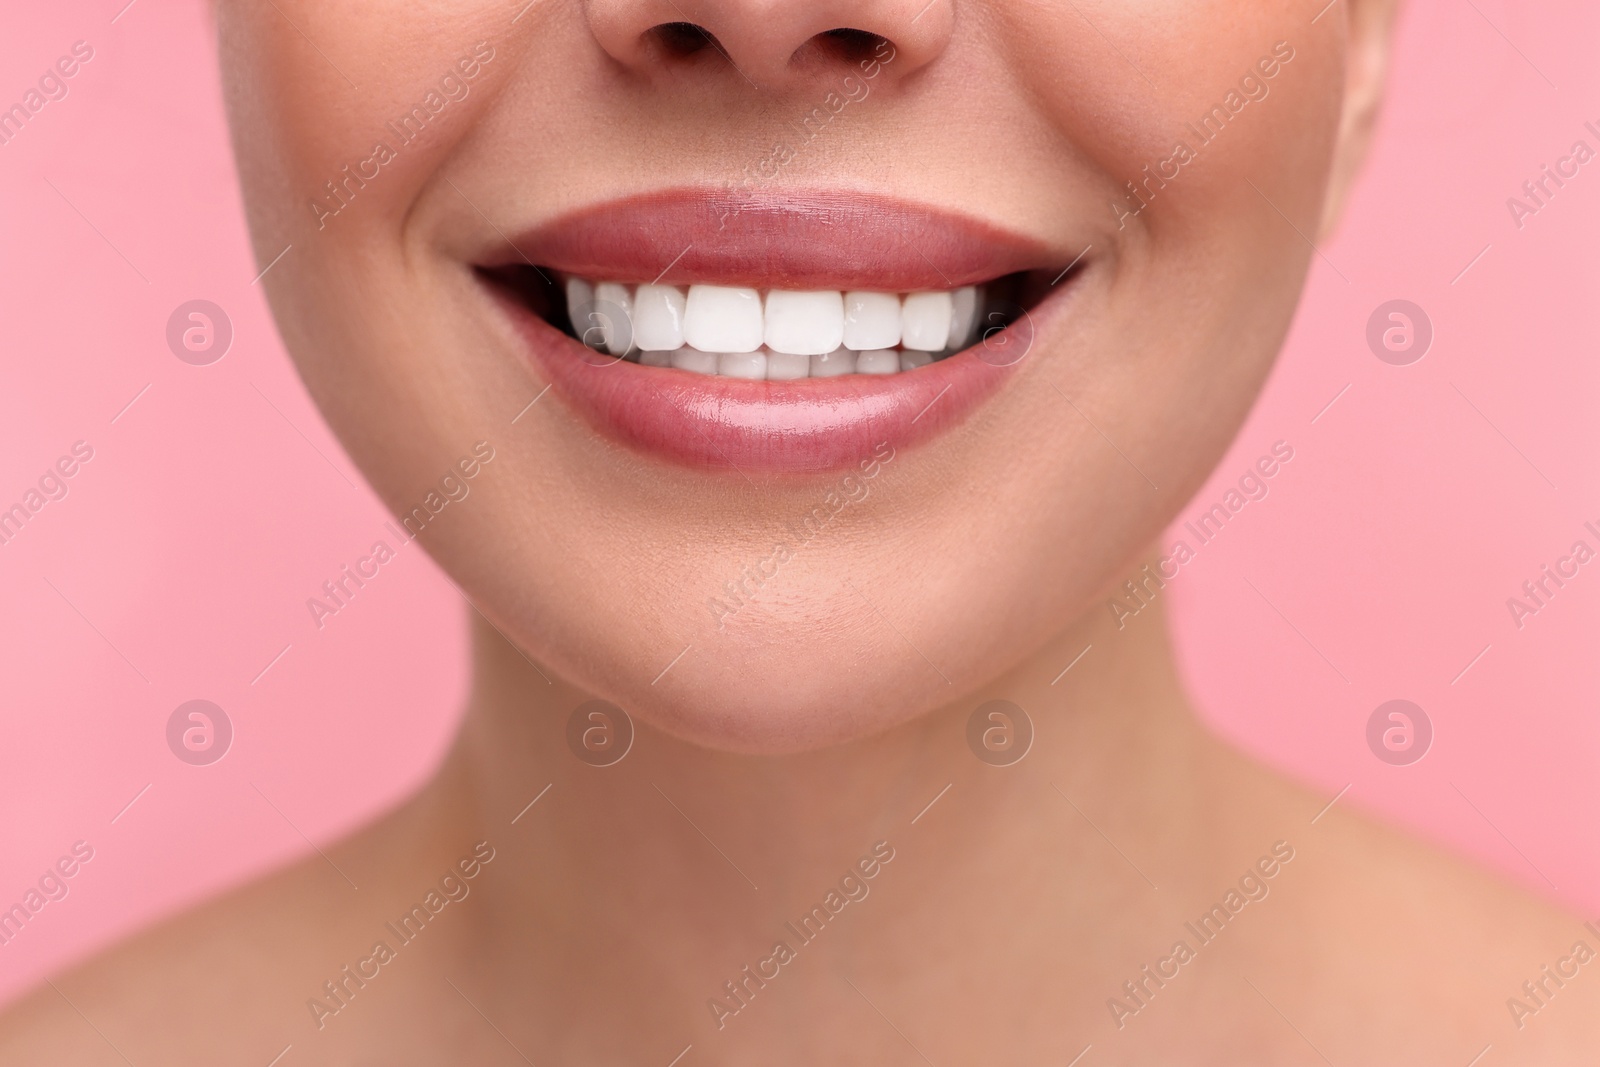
{"x":800,"y":241}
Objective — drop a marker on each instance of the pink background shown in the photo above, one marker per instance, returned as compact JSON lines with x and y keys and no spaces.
{"x":179,"y":565}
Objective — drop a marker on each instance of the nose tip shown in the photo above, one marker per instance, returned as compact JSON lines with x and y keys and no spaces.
{"x":775,"y":43}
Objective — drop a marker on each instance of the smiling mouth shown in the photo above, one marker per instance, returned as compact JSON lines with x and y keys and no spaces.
{"x":776,"y":334}
{"x":767,"y":335}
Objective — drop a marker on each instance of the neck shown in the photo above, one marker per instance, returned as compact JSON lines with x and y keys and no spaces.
{"x":693,"y":862}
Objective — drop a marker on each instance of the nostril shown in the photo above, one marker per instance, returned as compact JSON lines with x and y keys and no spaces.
{"x":681,"y":38}
{"x":845,"y":44}
{"x":777,"y":45}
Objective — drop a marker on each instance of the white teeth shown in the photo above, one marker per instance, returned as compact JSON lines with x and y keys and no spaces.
{"x":613,"y":315}
{"x":580,"y":304}
{"x":785,"y":366}
{"x":695,"y":361}
{"x":717,"y":318}
{"x":779,"y":335}
{"x":871,"y":320}
{"x":925,"y":321}
{"x":963,"y":317}
{"x":804,"y":324}
{"x":878,"y":361}
{"x":751,"y":365}
{"x":658,"y":318}
{"x":832,"y":364}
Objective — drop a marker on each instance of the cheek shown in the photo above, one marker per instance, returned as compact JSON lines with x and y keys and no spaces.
{"x":297,"y":125}
{"x":1128,"y":82}
{"x":300,"y":115}
{"x":1211,"y":257}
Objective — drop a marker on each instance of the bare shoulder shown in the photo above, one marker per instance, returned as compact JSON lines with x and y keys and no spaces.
{"x":166,"y":995}
{"x":1392,"y":950}
{"x":270,"y":966}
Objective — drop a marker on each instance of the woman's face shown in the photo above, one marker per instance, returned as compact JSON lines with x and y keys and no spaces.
{"x":777,"y":564}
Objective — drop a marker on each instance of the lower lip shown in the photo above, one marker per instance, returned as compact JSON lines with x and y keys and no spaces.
{"x":811,"y":425}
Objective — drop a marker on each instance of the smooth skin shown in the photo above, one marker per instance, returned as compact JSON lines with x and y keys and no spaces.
{"x":824,"y":718}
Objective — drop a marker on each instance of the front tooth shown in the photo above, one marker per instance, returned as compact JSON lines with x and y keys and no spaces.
{"x":963,"y":316}
{"x":718,"y":318}
{"x":785,"y":367}
{"x":613,"y":308}
{"x":839,"y":361}
{"x":871,"y":320}
{"x":751,"y":365}
{"x":913,"y":360}
{"x":655,"y":359}
{"x":695,"y":361}
{"x":878,"y":361}
{"x":925,"y":321}
{"x":580,"y":302}
{"x":658,"y":318}
{"x":804,"y":324}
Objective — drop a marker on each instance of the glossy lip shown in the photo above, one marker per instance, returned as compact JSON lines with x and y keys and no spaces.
{"x":815,"y":241}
